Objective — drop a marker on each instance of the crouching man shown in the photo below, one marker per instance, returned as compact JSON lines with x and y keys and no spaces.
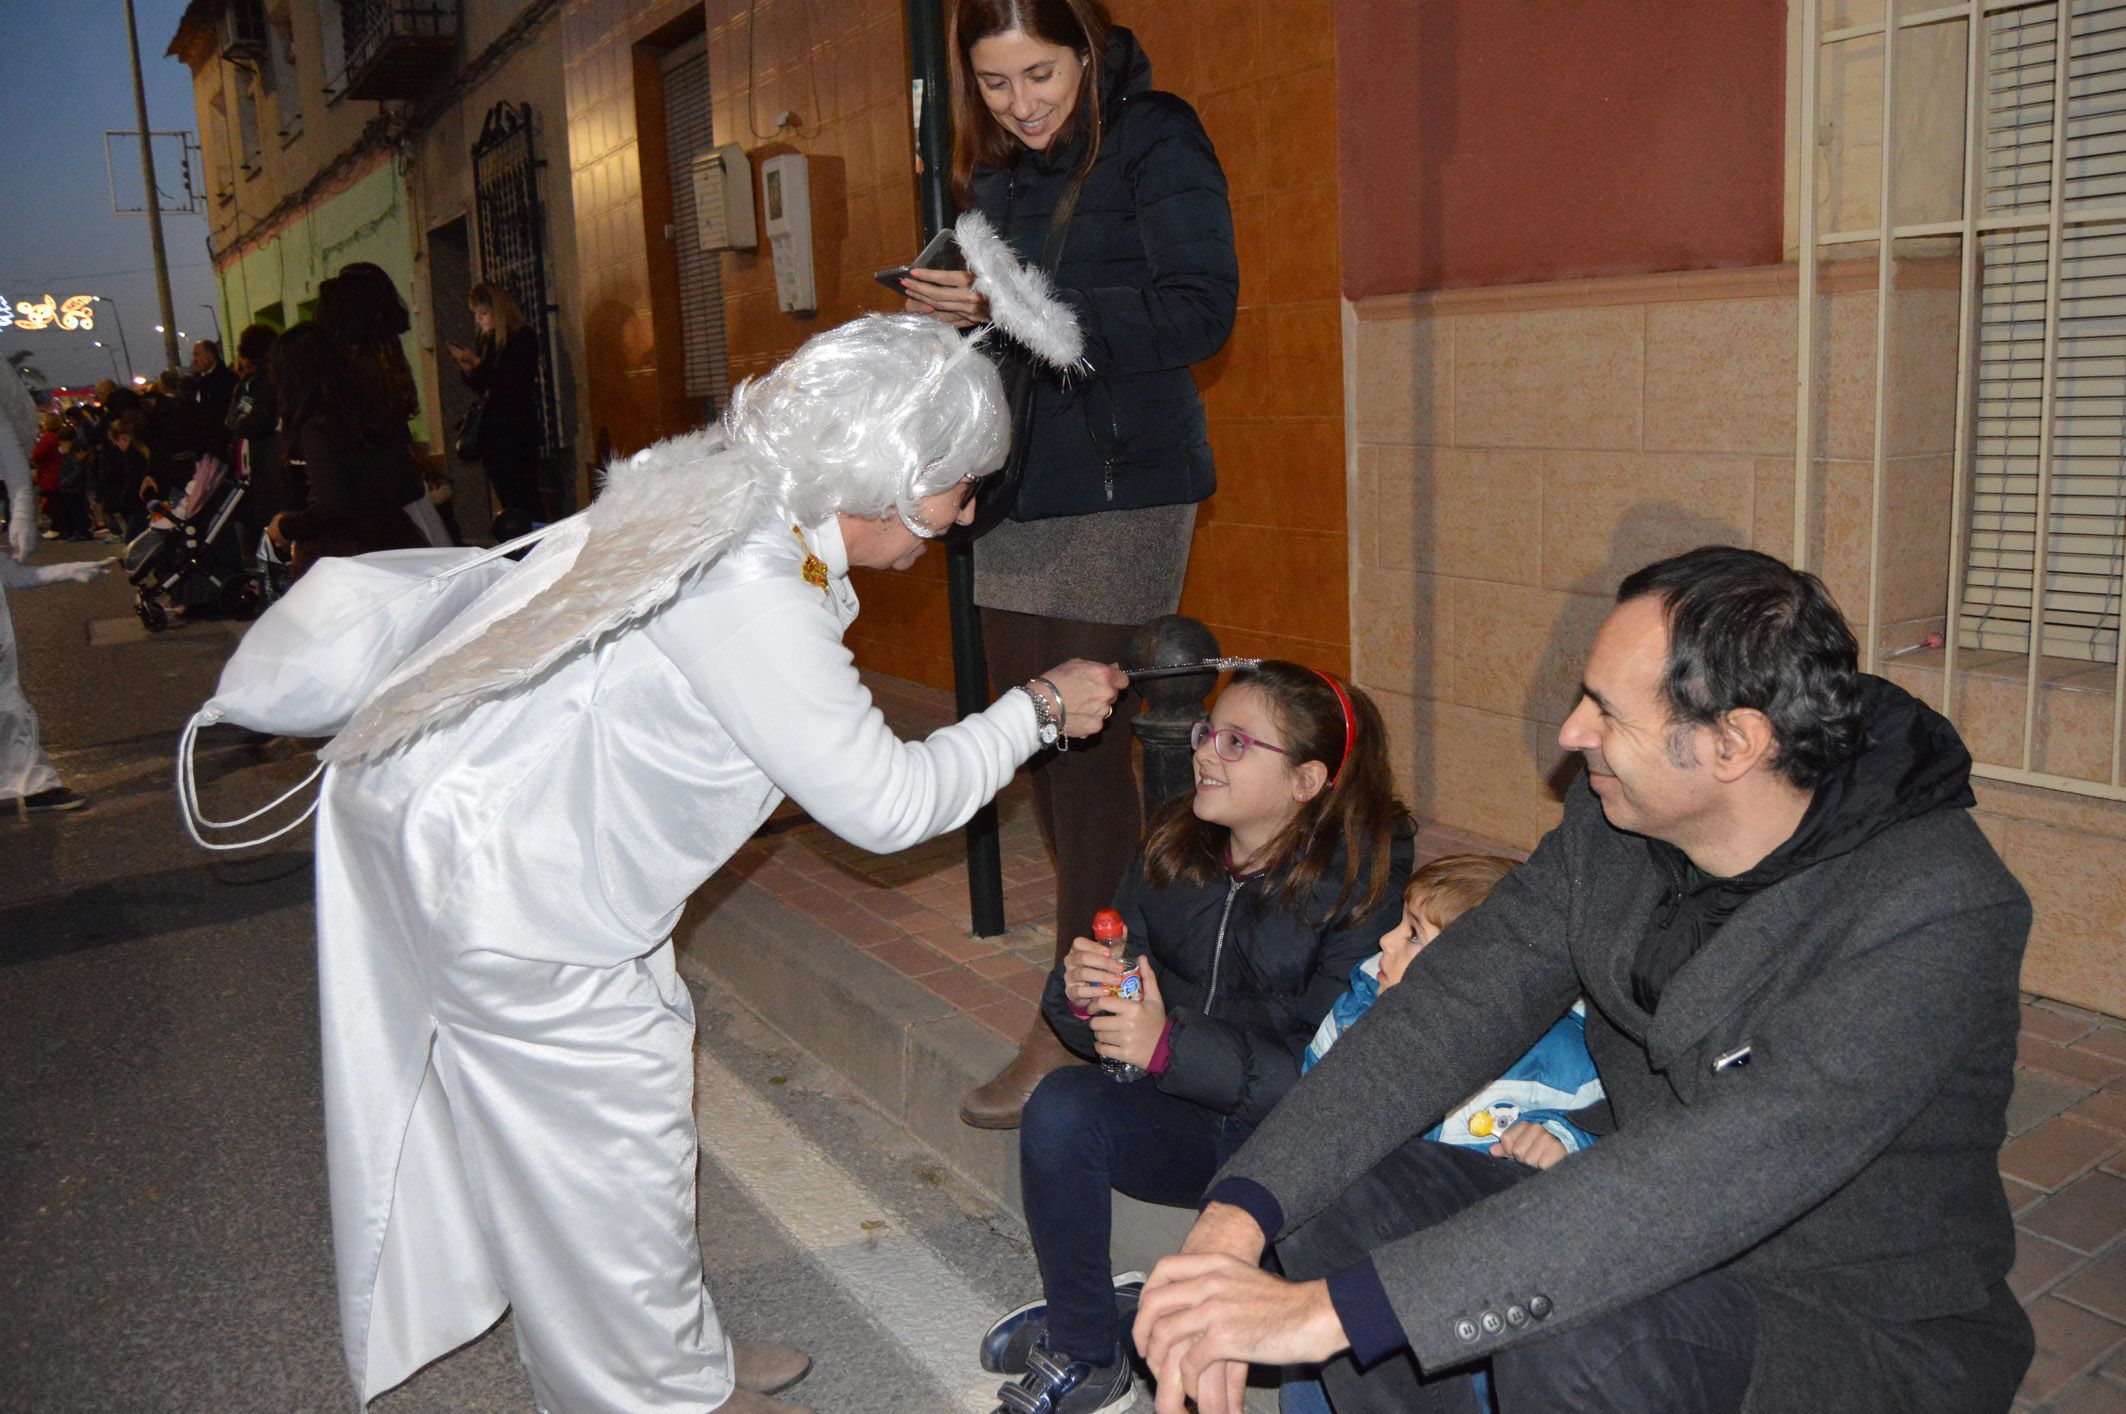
{"x":1800,"y":958}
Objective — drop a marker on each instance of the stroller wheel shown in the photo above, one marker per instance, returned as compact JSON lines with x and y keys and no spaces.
{"x":242,"y":598}
{"x":153,"y":616}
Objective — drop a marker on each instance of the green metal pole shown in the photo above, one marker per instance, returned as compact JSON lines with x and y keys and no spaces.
{"x":970,"y":671}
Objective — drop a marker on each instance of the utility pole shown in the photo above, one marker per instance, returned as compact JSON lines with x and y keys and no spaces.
{"x":154,"y":199}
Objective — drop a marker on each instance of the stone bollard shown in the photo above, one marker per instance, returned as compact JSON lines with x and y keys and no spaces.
{"x":1171,"y":705}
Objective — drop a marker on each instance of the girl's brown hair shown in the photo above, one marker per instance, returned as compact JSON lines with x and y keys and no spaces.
{"x":978,"y":140}
{"x":1451,"y":885}
{"x":1356,"y":809}
{"x":508,"y":318}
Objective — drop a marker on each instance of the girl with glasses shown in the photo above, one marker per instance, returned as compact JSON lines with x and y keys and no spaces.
{"x":1252,"y":900}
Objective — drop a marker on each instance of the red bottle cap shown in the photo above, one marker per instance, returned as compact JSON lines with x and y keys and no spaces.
{"x":1108,"y":926}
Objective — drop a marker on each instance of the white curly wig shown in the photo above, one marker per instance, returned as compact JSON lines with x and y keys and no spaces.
{"x":870,"y":418}
{"x":867,"y":418}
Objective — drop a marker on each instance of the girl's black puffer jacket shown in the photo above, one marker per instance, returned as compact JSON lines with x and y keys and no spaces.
{"x":1149,"y":267}
{"x":1245,"y":982}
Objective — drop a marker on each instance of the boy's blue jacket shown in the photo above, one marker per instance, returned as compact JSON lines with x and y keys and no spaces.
{"x":1555,"y":1078}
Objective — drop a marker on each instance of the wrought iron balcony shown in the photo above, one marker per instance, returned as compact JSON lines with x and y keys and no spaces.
{"x":397,"y":48}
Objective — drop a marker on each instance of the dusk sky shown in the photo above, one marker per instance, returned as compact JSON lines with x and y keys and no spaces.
{"x":64,"y":79}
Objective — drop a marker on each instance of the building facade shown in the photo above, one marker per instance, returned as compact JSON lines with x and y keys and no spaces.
{"x":426,"y":138}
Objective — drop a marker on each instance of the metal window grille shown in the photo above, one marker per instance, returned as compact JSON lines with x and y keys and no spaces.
{"x":2038,"y":544}
{"x":688,"y":132}
{"x":512,"y":245}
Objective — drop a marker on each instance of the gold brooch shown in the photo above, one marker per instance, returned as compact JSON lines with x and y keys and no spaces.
{"x":815,"y":567}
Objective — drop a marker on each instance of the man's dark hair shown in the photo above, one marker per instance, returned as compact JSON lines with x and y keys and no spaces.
{"x":212,"y":346}
{"x":1745,"y":630}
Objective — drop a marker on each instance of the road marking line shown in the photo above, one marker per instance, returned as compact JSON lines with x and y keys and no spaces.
{"x":905,"y":1287}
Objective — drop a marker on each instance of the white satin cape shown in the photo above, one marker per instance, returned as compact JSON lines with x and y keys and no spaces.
{"x":507,"y":1051}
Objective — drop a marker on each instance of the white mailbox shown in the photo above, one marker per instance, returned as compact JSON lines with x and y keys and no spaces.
{"x":723,"y":199}
{"x":786,"y":199}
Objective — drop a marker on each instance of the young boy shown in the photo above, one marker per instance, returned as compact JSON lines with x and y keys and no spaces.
{"x":1524,"y":1115}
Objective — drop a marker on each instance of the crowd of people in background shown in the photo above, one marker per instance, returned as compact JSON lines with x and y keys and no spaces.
{"x":314,"y":425}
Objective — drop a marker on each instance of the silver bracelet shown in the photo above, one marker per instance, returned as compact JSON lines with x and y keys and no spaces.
{"x":1046,"y":729}
{"x":1062,"y":715}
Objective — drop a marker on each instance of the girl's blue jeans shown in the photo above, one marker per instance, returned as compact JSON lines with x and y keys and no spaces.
{"x":1082,"y":1138}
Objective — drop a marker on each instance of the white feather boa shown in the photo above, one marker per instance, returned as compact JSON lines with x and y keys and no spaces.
{"x":1022,"y":302}
{"x":664,"y":513}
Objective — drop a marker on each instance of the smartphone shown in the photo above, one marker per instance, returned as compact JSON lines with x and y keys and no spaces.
{"x":943,"y":253}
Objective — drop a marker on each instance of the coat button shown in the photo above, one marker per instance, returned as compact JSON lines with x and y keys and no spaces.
{"x":1492,"y":1324}
{"x":1516,"y":1315}
{"x":1465,"y":1330}
{"x":1539,"y":1306}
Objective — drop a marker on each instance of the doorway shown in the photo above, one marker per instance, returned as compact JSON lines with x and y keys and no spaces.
{"x":449,"y":280}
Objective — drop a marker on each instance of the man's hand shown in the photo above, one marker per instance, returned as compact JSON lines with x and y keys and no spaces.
{"x":22,"y":529}
{"x":1204,"y":1319}
{"x":1226,"y":1228}
{"x":1529,"y":1143}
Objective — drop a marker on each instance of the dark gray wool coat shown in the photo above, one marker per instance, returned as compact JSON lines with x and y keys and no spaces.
{"x":1847,"y":1174}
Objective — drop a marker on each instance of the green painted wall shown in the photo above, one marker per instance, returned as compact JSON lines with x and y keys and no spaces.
{"x":367,"y":221}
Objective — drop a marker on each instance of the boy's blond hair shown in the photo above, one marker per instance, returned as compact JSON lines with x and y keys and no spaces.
{"x":1451,"y":885}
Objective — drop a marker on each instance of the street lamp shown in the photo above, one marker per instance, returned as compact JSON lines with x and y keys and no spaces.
{"x":108,"y":350}
{"x":215,"y":315}
{"x":106,"y":299}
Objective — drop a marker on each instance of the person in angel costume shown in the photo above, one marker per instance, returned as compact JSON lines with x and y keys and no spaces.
{"x":511,"y":823}
{"x":29,"y":785}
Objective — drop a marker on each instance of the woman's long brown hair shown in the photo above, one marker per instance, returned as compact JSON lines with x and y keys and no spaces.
{"x":978,"y":140}
{"x":1359,"y":810}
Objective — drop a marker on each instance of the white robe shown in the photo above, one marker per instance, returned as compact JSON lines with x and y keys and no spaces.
{"x":507,"y":1048}
{"x":24,"y":768}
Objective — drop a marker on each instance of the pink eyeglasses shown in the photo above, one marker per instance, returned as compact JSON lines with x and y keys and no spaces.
{"x":1230,"y":743}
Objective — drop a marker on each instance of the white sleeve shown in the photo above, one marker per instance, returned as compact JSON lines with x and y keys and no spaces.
{"x":21,"y":494}
{"x":767,"y":659}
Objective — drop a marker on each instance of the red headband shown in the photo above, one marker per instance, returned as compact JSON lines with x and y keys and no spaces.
{"x":1350,"y":722}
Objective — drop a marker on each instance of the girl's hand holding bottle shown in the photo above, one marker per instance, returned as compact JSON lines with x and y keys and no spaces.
{"x":1090,"y":975}
{"x":1129,"y":1031}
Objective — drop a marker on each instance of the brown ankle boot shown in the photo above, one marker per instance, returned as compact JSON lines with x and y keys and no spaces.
{"x":998,"y":1104}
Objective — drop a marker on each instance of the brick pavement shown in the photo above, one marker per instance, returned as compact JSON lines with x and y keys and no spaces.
{"x":2063,"y":1167}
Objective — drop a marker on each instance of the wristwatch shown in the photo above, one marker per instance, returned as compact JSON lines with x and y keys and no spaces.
{"x":1047,"y":712}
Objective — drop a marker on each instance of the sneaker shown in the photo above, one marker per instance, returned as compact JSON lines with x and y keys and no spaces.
{"x":1004,"y":1345}
{"x":1053,"y":1385}
{"x":47,"y":802}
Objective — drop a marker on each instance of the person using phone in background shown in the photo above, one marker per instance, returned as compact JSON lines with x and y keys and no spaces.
{"x":505,"y":370}
{"x":1055,"y":120}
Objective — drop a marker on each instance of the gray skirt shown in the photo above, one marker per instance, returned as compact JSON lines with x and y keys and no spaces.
{"x":1111,"y":567}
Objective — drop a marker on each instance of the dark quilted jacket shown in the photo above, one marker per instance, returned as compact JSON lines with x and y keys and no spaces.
{"x":1245,"y":982}
{"x":1149,"y":267}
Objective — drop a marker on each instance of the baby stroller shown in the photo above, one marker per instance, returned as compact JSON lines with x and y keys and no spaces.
{"x":189,"y":557}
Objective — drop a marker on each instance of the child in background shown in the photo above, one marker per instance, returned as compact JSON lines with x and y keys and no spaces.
{"x":1526,"y":1114}
{"x":1252,"y":900}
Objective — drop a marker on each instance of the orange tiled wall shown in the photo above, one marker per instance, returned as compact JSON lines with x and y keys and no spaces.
{"x":1268,"y":570}
{"x":841,"y":67}
{"x":629,"y":405}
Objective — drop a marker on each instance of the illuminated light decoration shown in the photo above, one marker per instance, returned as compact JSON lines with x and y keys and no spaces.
{"x":74,"y":312}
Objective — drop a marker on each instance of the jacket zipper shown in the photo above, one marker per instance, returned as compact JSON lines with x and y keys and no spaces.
{"x":1232,"y":892}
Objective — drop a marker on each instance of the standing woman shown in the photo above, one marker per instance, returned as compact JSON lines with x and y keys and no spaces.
{"x":1061,"y":142}
{"x":351,"y":455}
{"x":505,"y":368}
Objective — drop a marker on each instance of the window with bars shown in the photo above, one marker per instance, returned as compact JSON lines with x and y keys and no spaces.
{"x":2078,"y":471}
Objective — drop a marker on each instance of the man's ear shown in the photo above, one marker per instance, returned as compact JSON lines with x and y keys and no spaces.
{"x":1742,"y":742}
{"x":1308,"y":780}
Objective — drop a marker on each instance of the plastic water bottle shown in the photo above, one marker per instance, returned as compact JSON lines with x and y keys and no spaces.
{"x":1109,"y":930}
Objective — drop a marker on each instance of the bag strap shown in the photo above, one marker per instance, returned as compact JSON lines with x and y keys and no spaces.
{"x":188,"y":796}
